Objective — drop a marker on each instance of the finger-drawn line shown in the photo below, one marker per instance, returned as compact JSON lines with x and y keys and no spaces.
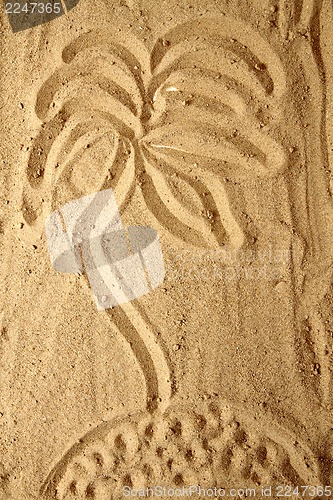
{"x":254,"y":50}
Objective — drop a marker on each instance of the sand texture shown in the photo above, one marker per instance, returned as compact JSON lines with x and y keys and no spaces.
{"x":212,"y":123}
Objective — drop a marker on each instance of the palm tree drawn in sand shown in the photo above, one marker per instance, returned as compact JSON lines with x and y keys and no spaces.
{"x":164,"y":124}
{"x":191,"y":107}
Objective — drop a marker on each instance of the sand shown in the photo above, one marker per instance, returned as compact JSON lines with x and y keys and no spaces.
{"x":211,"y":121}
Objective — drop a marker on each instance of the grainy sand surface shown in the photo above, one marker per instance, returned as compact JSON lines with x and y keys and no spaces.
{"x":212,"y":123}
